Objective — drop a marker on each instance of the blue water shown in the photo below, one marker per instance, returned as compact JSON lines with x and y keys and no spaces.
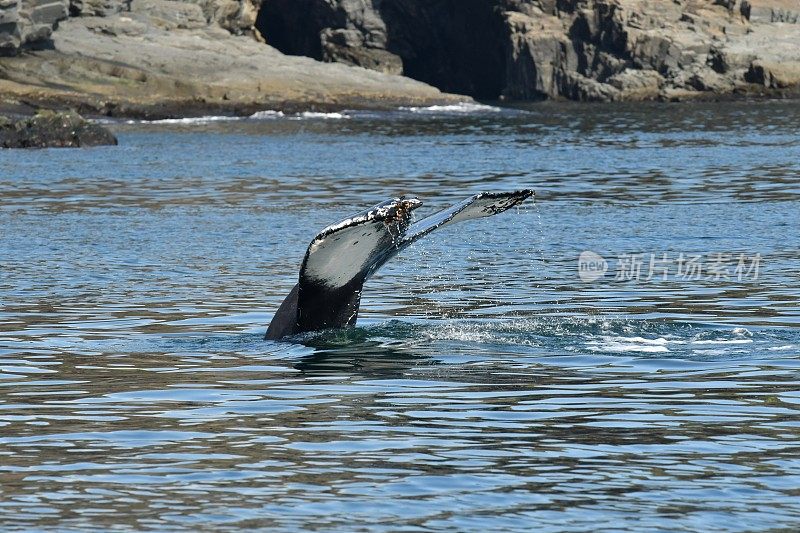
{"x":487,"y":386}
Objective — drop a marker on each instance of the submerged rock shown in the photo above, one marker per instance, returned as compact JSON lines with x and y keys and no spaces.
{"x":52,"y":129}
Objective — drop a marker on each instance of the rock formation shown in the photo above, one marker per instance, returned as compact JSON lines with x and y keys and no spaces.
{"x":166,"y":58}
{"x":31,"y":22}
{"x":534,"y":49}
{"x":25,"y":22}
{"x":452,"y":44}
{"x":49,"y":129}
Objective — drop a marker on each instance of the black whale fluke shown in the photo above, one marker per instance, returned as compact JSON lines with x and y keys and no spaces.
{"x":344,"y":255}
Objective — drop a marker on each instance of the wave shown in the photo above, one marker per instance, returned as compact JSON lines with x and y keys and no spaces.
{"x":601,"y":336}
{"x":314,"y":114}
{"x":187,"y":120}
{"x":459,"y":108}
{"x":267,"y":114}
{"x":272,"y":114}
{"x":522,"y":339}
{"x":462,"y":108}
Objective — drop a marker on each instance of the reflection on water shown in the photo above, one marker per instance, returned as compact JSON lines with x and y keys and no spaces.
{"x":486,"y":387}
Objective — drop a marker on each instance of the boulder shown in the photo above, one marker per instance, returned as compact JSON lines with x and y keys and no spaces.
{"x":51,"y":129}
{"x":236,"y":16}
{"x":635,"y":84}
{"x":97,"y":8}
{"x":774,"y":75}
{"x":29,"y":23}
{"x":349,"y":46}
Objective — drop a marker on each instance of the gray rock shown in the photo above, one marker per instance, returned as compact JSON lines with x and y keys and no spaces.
{"x":708,"y":80}
{"x":50,"y":129}
{"x":169,"y":14}
{"x":772,"y":11}
{"x":635,"y":84}
{"x":29,"y":23}
{"x":449,"y":43}
{"x":349,"y":46}
{"x":515,"y":49}
{"x":551,"y":48}
{"x":773,"y":75}
{"x":236,"y":16}
{"x":135,"y":64}
{"x":97,"y":8}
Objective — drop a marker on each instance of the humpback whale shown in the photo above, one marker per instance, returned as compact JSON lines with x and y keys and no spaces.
{"x":344,"y":255}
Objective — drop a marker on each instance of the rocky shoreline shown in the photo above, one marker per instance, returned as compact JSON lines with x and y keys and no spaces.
{"x":153,"y":59}
{"x":165,"y":59}
{"x":587,"y":50}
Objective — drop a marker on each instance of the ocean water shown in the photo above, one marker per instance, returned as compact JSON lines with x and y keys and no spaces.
{"x":621,"y":355}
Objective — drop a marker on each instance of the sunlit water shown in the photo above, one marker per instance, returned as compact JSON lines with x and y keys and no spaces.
{"x":487,"y":386}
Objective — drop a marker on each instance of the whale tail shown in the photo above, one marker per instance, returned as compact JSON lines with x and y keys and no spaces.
{"x":344,"y":255}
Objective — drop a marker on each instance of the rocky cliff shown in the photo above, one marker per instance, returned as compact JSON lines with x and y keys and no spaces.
{"x":533,"y":49}
{"x":31,"y":22}
{"x":163,"y":57}
{"x":166,"y":58}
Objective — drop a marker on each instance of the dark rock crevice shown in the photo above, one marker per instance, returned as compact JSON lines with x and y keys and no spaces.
{"x":455,"y":45}
{"x":294,"y":26}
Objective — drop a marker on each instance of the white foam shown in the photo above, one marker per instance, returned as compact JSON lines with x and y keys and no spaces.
{"x":461,"y":107}
{"x":661,"y":341}
{"x":781,"y":348}
{"x":186,"y":120}
{"x":710,"y":352}
{"x":724,"y":341}
{"x":630,"y":344}
{"x":314,"y":114}
{"x":267,"y":114}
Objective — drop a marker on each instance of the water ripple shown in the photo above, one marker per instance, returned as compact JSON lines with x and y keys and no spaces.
{"x":486,"y":388}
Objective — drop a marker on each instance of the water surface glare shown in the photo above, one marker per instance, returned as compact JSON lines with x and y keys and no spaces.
{"x":487,"y":387}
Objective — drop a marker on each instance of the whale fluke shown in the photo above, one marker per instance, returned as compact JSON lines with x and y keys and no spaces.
{"x":344,"y":255}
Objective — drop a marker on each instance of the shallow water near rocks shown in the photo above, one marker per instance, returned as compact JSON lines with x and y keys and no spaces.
{"x":487,"y":386}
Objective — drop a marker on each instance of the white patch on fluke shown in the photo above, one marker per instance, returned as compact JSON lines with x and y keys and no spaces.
{"x":338,"y":258}
{"x":343,"y":250}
